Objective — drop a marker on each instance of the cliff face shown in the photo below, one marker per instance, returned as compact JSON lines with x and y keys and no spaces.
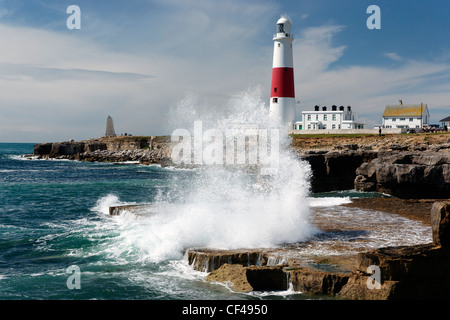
{"x":406,"y":166}
{"x":407,"y":175}
{"x":335,"y":169}
{"x":145,"y":150}
{"x":403,"y":166}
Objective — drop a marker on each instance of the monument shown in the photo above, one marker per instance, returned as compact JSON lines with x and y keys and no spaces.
{"x":110,"y":127}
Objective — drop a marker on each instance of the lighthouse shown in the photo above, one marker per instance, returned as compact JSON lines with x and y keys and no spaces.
{"x":282,"y":92}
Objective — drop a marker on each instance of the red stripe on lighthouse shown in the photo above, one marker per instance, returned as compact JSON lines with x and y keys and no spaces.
{"x":283,"y":83}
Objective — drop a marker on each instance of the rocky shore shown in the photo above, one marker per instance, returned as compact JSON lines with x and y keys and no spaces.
{"x":145,"y":150}
{"x":407,"y":166}
{"x":406,"y":272}
{"x":415,"y":169}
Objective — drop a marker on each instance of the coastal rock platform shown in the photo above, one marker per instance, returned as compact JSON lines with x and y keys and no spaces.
{"x":404,"y":272}
{"x":388,"y":273}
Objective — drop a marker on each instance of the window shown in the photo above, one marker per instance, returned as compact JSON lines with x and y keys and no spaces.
{"x":324,"y":117}
{"x":317,"y":117}
{"x":280,"y":28}
{"x":309,"y":127}
{"x":339,"y":126}
{"x":275,"y":100}
{"x":274,"y":89}
{"x":394,"y":119}
{"x":309,"y":117}
{"x":333,"y":126}
{"x":402,"y":119}
{"x":324,"y":126}
{"x":333,"y":117}
{"x":411,"y":119}
{"x":279,"y":45}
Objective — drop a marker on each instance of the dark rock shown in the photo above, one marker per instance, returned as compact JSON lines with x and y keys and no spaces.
{"x":315,"y":282}
{"x":66,"y":149}
{"x":356,"y":288}
{"x":407,"y":175}
{"x":41,"y":149}
{"x":336,"y":170}
{"x":419,"y":272}
{"x":209,"y":260}
{"x":246,"y":279}
{"x":95,"y":145}
{"x":406,"y":272}
{"x":267,"y":278}
{"x":440,"y":224}
{"x":411,"y":174}
{"x":235,"y":275}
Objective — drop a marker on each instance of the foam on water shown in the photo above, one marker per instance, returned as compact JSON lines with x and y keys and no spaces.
{"x":222,"y":208}
{"x":328,"y":201}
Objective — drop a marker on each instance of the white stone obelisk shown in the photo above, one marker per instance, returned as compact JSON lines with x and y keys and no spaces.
{"x":110,"y":132}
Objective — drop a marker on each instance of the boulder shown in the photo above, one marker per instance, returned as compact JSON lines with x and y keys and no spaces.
{"x":42,"y":149}
{"x":357,"y":289}
{"x":440,"y":223}
{"x":66,"y":149}
{"x":95,"y":145}
{"x":235,"y":275}
{"x":315,"y":282}
{"x":208,"y":260}
{"x":246,"y":279}
{"x":336,"y":169}
{"x":413,"y":272}
{"x":412,"y":175}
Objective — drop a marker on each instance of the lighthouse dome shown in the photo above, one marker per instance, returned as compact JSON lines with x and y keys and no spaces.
{"x":284,"y":25}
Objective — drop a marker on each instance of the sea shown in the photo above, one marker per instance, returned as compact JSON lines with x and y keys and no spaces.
{"x":58,"y":241}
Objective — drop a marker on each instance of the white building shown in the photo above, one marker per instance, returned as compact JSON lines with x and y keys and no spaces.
{"x":445,"y":122}
{"x":328,"y":118}
{"x":406,"y":116}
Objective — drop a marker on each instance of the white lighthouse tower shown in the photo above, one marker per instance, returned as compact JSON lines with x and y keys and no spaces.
{"x":282,"y":94}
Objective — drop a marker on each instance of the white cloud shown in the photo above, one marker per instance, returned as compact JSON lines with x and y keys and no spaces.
{"x":51,"y":78}
{"x":61,"y":85}
{"x":393,"y":56}
{"x":367,"y":88}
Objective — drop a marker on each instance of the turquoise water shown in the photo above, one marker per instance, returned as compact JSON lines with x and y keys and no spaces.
{"x":52,"y":217}
{"x":47,"y":224}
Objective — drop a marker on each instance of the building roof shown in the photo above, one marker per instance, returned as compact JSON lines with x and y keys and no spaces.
{"x":407,"y":110}
{"x":445,"y":119}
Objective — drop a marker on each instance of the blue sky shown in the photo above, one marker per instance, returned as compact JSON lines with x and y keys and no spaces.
{"x":136,"y":60}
